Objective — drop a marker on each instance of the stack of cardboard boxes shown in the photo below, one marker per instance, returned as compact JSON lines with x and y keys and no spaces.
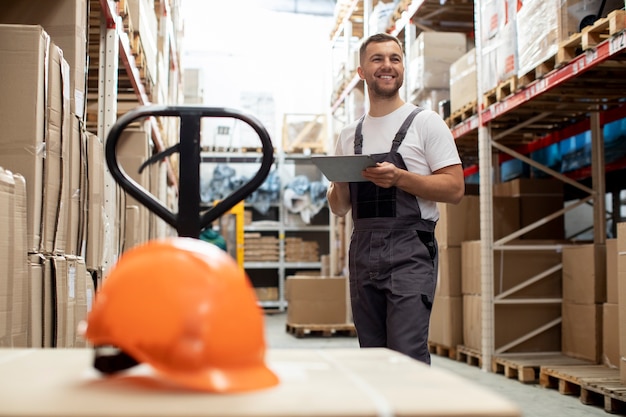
{"x":61,"y":234}
{"x":428,"y":66}
{"x":552,"y":295}
{"x":456,"y":318}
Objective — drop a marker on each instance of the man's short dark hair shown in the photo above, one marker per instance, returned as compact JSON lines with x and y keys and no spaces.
{"x":377,"y":38}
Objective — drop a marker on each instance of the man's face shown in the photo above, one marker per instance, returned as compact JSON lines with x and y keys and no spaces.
{"x":383,"y":68}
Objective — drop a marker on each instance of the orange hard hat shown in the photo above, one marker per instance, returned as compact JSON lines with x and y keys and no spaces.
{"x":186,"y":308}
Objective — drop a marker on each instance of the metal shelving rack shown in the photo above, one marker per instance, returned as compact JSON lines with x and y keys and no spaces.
{"x":116,"y":77}
{"x":279,"y":226}
{"x":114,"y":51}
{"x":582,"y":93}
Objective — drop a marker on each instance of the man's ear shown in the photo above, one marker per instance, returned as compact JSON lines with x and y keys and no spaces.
{"x":359,"y":71}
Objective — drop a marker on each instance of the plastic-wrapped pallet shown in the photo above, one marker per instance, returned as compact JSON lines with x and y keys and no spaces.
{"x":381,"y":15}
{"x":542,"y":25}
{"x":463,"y":81}
{"x":431,"y":57}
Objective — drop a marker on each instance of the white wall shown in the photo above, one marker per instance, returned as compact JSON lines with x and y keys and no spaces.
{"x":242,"y":48}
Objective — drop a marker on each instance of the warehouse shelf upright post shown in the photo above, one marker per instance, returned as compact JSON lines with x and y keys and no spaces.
{"x":107,"y":109}
{"x":486,"y":216}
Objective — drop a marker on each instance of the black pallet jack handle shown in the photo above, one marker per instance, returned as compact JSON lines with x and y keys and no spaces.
{"x":189,"y":221}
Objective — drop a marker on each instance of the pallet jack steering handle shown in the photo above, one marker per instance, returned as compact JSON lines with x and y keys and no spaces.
{"x":189,"y":221}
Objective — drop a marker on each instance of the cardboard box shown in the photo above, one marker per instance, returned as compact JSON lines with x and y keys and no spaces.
{"x":95,"y":218}
{"x":446,"y":321}
{"x":582,"y":331}
{"x":449,"y":273}
{"x":66,"y":23}
{"x":584,"y":273}
{"x":611,"y":271}
{"x":76,"y":185}
{"x":535,"y":208}
{"x":610,"y":335}
{"x":351,"y":382}
{"x":621,"y":295}
{"x":463,"y":82}
{"x":316,"y":300}
{"x":538,"y":198}
{"x":266,"y":293}
{"x":54,"y":170}
{"x":529,"y":187}
{"x":431,"y":57}
{"x":512,"y":268}
{"x":458,"y":222}
{"x":7,"y":186}
{"x":76,"y":300}
{"x":24,"y":51}
{"x":461,"y":222}
{"x":20,"y":265}
{"x":36,"y":278}
{"x":59,"y":302}
{"x":512,"y":324}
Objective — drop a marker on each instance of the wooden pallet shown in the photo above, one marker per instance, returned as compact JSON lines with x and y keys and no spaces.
{"x":540,"y":71}
{"x":321,"y":330}
{"x":464,"y":113}
{"x":525,"y":367}
{"x":568,"y":50}
{"x":593,"y":384}
{"x":469,"y":356}
{"x":489,"y":97}
{"x":590,"y":37}
{"x":506,"y":88}
{"x":603,"y":28}
{"x":501,"y":91}
{"x":441,"y":350}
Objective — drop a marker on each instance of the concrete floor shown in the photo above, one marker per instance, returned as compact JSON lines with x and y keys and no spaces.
{"x":532,"y":399}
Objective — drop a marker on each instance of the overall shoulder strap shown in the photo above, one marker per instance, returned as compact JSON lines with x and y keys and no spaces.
{"x":358,"y":137}
{"x":397,"y":140}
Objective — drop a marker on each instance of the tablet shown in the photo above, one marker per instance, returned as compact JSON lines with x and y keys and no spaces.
{"x":343,"y":168}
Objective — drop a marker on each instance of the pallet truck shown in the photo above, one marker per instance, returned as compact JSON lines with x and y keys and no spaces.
{"x":189,"y":221}
{"x":312,"y":382}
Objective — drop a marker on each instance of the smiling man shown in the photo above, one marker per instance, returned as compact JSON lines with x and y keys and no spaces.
{"x":393,"y":254}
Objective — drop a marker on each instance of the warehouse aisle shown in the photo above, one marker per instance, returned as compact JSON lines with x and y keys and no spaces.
{"x":533,"y":400}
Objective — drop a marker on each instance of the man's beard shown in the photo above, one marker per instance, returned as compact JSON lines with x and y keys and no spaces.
{"x":386,"y":92}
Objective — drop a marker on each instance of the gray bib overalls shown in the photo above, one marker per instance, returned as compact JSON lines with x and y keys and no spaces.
{"x":393,"y":261}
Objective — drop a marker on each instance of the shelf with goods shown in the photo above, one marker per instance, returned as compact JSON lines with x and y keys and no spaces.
{"x":277,"y":242}
{"x":553,"y":106}
{"x":301,"y":228}
{"x":575,"y":87}
{"x":138,"y":74}
{"x":82,"y":220}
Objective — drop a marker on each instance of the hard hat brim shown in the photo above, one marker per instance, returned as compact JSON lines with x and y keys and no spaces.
{"x":218,"y":380}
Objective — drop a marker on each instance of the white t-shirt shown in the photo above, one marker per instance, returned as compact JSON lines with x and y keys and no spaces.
{"x":427,"y":147}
